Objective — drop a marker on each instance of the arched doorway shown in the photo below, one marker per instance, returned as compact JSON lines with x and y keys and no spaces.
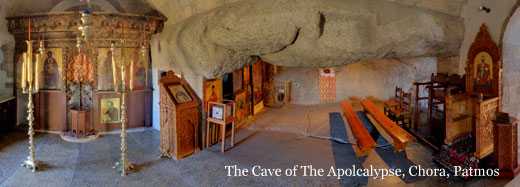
{"x":511,"y":65}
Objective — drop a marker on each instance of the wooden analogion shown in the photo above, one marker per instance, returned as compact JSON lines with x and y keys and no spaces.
{"x":180,"y":117}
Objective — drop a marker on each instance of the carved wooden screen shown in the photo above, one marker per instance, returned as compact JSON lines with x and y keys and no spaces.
{"x":485,"y":111}
{"x":327,"y":85}
{"x":483,"y":66}
{"x":458,"y":117}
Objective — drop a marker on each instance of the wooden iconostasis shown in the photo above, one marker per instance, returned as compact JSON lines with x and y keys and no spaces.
{"x":58,"y":95}
{"x":248,"y":87}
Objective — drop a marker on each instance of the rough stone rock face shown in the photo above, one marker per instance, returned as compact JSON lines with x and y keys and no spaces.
{"x":6,"y":55}
{"x":308,"y":33}
{"x":376,"y":78}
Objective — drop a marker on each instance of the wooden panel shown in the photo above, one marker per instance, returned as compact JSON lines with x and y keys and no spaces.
{"x":506,"y":148}
{"x":365,"y":142}
{"x":400,"y":136}
{"x":459,"y":117}
{"x":7,"y":114}
{"x":187,"y":129}
{"x":485,"y":113}
{"x":139,"y":108}
{"x":51,"y":110}
{"x":180,"y":118}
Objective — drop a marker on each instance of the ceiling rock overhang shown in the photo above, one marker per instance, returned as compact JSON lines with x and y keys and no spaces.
{"x":309,"y":33}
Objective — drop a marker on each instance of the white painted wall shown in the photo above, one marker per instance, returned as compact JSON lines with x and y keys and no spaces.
{"x":473,"y":18}
{"x":511,"y":66}
{"x":376,"y":78}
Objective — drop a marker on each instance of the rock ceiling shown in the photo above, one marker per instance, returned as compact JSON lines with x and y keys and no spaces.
{"x":308,"y":33}
{"x":211,"y":37}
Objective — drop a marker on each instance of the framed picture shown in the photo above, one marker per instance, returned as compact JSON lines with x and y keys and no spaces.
{"x":52,"y":69}
{"x":212,"y":92}
{"x":217,"y":112}
{"x":110,"y":110}
{"x":179,"y":93}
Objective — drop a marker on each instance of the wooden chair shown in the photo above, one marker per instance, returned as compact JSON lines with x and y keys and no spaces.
{"x":365,"y":142}
{"x":399,"y":136}
{"x":227,"y":117}
{"x":399,"y":108}
{"x":437,"y":91}
{"x":393,"y":103}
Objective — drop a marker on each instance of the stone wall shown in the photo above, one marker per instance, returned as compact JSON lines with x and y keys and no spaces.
{"x":377,"y":78}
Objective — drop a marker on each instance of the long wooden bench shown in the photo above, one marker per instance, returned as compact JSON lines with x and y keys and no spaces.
{"x":399,"y":136}
{"x":365,"y":142}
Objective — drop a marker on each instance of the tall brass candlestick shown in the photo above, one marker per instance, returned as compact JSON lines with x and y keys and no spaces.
{"x":29,"y":87}
{"x":123,"y":165}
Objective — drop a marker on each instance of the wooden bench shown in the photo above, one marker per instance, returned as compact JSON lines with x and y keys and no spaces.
{"x":399,"y":136}
{"x":365,"y":142}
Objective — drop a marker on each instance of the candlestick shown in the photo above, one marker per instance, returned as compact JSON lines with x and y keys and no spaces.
{"x":29,"y":70}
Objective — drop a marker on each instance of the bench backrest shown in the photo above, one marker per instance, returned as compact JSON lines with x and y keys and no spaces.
{"x":392,"y":129}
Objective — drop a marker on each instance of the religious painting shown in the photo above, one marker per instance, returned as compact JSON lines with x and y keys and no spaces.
{"x":105,"y":79}
{"x":483,"y":71}
{"x":52,"y":69}
{"x":237,"y":80}
{"x":212,"y":91}
{"x":217,"y":112}
{"x":247,"y":76}
{"x":179,"y":93}
{"x":138,"y":67}
{"x":110,"y":110}
{"x":257,"y":81}
{"x":241,"y":106}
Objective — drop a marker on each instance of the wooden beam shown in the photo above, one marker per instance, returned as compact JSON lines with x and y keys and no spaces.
{"x":365,"y":142}
{"x":399,"y":136}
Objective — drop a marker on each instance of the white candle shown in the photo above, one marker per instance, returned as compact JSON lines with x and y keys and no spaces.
{"x":37,"y":72}
{"x":132,"y":75}
{"x":114,"y":71}
{"x":24,"y":71}
{"x":123,"y":74}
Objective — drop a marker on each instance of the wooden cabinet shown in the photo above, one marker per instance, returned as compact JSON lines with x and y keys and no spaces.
{"x":506,"y":147}
{"x":180,"y":117}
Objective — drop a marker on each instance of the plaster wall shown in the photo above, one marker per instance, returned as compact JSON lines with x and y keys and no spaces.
{"x":511,"y":66}
{"x":377,"y":78}
{"x":473,"y":18}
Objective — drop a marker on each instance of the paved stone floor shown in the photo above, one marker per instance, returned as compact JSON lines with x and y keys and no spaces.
{"x":90,"y":164}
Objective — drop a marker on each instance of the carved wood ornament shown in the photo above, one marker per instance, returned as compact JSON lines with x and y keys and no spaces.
{"x":483,"y":67}
{"x":180,"y":118}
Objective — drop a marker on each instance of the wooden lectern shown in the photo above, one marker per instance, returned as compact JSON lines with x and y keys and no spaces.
{"x":180,"y":117}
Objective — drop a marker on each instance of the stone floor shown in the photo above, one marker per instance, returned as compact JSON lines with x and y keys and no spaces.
{"x":90,"y":164}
